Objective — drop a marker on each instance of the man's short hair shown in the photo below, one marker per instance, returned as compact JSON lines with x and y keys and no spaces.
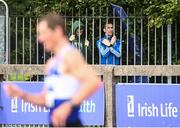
{"x":53,"y":20}
{"x":108,"y":22}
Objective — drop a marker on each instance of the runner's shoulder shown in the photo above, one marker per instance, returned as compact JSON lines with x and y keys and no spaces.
{"x":74,"y":57}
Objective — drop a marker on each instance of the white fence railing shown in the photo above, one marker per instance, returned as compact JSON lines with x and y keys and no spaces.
{"x":140,"y":44}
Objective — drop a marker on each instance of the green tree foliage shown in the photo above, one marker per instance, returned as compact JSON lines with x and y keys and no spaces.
{"x":163,"y":11}
{"x":158,"y":11}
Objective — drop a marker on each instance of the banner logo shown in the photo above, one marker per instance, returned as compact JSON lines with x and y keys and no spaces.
{"x":130,"y":105}
{"x":14,"y":104}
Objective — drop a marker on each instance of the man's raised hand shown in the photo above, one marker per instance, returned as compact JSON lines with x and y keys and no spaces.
{"x":106,"y":42}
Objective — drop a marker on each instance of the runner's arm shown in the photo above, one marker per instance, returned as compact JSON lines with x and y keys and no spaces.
{"x":14,"y":91}
{"x":36,"y":98}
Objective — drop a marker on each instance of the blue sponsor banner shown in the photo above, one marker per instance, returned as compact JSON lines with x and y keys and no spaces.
{"x":147,"y":105}
{"x":17,"y":111}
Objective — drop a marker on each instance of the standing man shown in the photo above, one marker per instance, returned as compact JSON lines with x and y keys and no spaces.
{"x":68,"y":80}
{"x":109,"y":47}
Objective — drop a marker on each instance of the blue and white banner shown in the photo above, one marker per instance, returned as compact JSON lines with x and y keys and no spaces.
{"x":17,"y":111}
{"x":147,"y":105}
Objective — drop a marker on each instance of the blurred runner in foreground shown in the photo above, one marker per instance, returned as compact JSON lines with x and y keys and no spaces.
{"x":69,"y":80}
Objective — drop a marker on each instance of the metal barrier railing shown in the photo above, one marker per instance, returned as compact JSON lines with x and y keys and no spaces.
{"x":109,"y":74}
{"x":140,"y":44}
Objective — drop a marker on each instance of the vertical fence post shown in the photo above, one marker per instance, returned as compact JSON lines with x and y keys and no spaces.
{"x":100,"y":28}
{"x":93,"y":36}
{"x":148,"y":63}
{"x":162,"y":49}
{"x":176,"y":48}
{"x":169,"y":49}
{"x":7,"y":27}
{"x":109,"y":108}
{"x":127,"y":44}
{"x":134,"y":41}
{"x":155,"y":50}
{"x":6,"y":33}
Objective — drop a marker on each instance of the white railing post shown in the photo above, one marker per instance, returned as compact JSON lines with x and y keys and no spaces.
{"x":7,"y":28}
{"x":169,"y":48}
